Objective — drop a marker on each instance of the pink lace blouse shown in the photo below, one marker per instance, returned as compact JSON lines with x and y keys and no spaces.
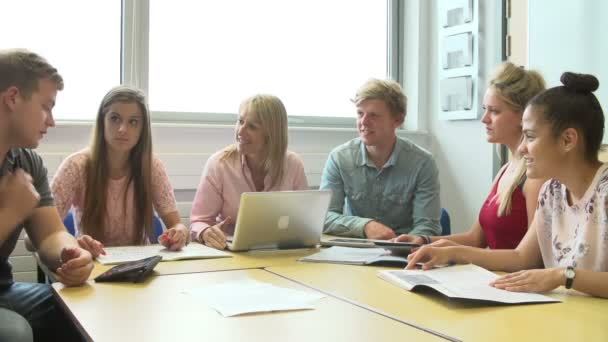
{"x":69,"y":185}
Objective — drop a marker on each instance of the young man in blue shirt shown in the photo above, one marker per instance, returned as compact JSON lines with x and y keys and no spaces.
{"x":383,"y":185}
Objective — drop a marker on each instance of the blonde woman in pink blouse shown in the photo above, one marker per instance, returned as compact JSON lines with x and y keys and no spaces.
{"x":567,"y":242}
{"x":258,"y":161}
{"x":115,"y":185}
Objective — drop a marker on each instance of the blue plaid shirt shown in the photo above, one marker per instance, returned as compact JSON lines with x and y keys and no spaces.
{"x":403,"y":194}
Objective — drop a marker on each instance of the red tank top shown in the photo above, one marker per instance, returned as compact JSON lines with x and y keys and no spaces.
{"x":504,"y":232}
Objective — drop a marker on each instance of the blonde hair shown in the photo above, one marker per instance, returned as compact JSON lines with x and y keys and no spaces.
{"x":515,"y":86}
{"x":24,"y":69}
{"x":271,"y":113}
{"x":140,"y":166}
{"x":388,"y":91}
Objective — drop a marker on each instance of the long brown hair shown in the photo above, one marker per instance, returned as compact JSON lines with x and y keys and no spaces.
{"x":140,"y":165}
{"x":271,"y":113}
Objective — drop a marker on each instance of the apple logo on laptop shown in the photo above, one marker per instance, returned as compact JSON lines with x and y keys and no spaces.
{"x":283,"y":222}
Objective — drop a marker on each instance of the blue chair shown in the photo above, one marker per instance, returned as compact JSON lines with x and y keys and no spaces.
{"x":68,"y":222}
{"x":445,"y":222}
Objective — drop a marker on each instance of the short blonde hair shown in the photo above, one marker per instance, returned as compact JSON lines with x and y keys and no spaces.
{"x":272,"y":115}
{"x":24,"y":69}
{"x":388,"y":91}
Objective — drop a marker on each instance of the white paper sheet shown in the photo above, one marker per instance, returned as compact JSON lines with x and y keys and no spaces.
{"x":461,"y":281}
{"x":117,"y":255}
{"x":250,"y":296}
{"x":346,"y":255}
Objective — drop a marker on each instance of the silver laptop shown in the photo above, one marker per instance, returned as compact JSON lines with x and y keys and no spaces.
{"x":280,"y":220}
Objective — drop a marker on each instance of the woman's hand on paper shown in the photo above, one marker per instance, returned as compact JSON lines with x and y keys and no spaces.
{"x":93,"y":246}
{"x":540,"y":280}
{"x":430,"y":256}
{"x":174,"y":238}
{"x":214,"y":236}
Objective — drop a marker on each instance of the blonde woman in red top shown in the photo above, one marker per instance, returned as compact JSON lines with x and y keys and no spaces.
{"x":508,"y":210}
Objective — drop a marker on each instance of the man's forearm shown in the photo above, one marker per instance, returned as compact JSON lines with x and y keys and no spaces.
{"x":342,"y":225}
{"x":8,"y":223}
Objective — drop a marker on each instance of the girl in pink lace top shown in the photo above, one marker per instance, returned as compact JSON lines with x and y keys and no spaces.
{"x":115,"y":185}
{"x":259,"y":161}
{"x":567,"y":242}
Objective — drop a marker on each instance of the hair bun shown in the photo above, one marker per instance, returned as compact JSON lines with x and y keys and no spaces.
{"x":580,"y":83}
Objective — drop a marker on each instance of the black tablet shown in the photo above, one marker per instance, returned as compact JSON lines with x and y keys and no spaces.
{"x":397,"y":248}
{"x":134,"y":271}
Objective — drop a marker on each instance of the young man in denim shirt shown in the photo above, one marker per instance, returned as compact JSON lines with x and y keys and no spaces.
{"x":390,"y":185}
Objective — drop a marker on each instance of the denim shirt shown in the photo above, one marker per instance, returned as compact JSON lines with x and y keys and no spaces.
{"x":403,"y":194}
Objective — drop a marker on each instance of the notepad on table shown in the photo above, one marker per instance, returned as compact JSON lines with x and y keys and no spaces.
{"x":357,"y":256}
{"x":466,"y":282}
{"x":117,"y":255}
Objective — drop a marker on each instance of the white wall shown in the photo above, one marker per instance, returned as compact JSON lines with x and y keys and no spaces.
{"x":569,"y":36}
{"x":464,"y":158}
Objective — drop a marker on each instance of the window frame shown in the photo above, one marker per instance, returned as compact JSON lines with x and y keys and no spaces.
{"x":135,"y":68}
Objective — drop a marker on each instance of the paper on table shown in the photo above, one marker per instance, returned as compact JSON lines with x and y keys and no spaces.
{"x":463,"y":282}
{"x":346,"y":255}
{"x":357,"y":256}
{"x":117,"y":255}
{"x":249,"y":296}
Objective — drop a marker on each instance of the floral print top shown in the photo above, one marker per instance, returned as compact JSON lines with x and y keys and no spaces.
{"x":574,"y":234}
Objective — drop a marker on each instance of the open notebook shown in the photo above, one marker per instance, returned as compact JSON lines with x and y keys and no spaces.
{"x":117,"y":255}
{"x":357,"y":256}
{"x":466,"y":282}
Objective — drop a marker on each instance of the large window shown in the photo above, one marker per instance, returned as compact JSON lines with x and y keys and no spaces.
{"x":80,"y":38}
{"x":207,"y":56}
{"x":197,"y":60}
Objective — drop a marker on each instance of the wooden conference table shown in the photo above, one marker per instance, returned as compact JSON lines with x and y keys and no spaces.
{"x":359,"y":307}
{"x":578,"y":318}
{"x":159,"y":310}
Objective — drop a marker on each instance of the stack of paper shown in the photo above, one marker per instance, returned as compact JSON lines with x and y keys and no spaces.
{"x":249,"y":296}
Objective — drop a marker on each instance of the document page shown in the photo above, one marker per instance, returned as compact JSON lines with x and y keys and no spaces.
{"x":461,"y":281}
{"x":346,"y":255}
{"x":117,"y":255}
{"x":250,"y":296}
